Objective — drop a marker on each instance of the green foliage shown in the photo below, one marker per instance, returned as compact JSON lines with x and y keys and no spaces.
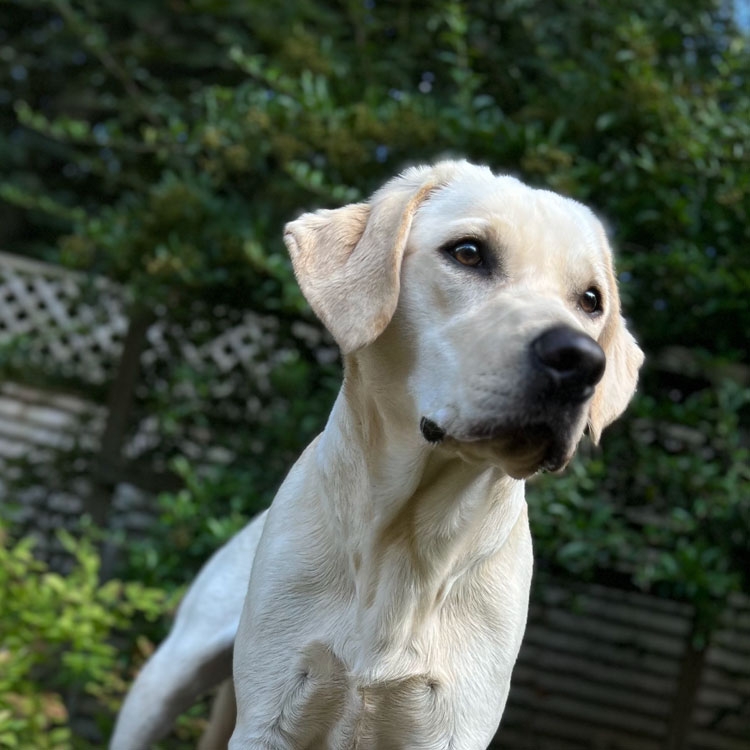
{"x":165,"y":146}
{"x":56,"y":632}
{"x":683,"y":527}
{"x":194,"y":522}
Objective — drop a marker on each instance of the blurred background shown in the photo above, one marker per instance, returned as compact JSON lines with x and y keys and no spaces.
{"x":159,"y":370}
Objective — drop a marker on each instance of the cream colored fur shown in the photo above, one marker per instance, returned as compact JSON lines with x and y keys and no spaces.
{"x":389,"y":581}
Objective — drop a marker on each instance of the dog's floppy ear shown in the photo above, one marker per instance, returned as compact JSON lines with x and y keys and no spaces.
{"x":348,"y":261}
{"x":617,"y":386}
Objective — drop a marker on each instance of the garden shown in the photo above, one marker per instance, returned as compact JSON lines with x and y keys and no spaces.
{"x":150,"y":155}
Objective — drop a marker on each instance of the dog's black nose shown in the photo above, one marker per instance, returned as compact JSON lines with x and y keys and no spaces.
{"x":571,"y":360}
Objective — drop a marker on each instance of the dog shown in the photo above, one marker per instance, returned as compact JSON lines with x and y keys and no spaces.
{"x":381,"y":601}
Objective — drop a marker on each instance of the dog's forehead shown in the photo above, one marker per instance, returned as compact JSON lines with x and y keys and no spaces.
{"x":478,"y":203}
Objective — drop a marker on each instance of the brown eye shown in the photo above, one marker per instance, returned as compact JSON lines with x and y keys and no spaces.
{"x":590,"y":301}
{"x":467,"y":254}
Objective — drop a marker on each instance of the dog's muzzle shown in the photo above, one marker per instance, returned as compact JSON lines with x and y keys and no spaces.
{"x":566,"y":365}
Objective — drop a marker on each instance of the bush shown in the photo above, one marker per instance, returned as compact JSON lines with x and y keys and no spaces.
{"x":56,"y":633}
{"x":683,"y":528}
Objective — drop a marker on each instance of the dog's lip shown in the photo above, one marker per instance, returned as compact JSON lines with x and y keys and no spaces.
{"x":434,"y":432}
{"x":509,"y":430}
{"x":536,"y":444}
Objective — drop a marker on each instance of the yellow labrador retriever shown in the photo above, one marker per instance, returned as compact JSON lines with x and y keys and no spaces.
{"x":381,"y":601}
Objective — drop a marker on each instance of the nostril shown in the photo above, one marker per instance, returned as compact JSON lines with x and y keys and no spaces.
{"x":569,"y":356}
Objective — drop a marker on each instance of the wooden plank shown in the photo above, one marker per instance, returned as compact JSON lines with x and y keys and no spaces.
{"x":629,"y":609}
{"x":712,"y":698}
{"x":594,"y":671}
{"x":559,"y":717}
{"x":732,"y":664}
{"x":584,"y":713}
{"x":735,"y":640}
{"x":712,"y":740}
{"x":612,"y":632}
{"x":560,"y":592}
{"x":721,"y":680}
{"x":602,"y":694}
{"x":603,"y":652}
{"x":724,"y":721}
{"x":11,"y":448}
{"x":37,"y":436}
{"x":524,"y":738}
{"x":23,"y":394}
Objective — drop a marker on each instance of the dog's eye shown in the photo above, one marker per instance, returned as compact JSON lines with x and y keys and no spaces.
{"x":467,"y":254}
{"x":590,"y":301}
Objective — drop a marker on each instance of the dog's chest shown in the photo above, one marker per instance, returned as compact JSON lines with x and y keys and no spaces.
{"x":342,"y":712}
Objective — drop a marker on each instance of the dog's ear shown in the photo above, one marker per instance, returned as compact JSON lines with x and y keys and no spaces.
{"x":348,"y":261}
{"x":617,"y":386}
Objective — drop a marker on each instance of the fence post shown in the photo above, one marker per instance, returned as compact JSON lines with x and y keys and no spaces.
{"x":120,"y":400}
{"x":688,"y":684}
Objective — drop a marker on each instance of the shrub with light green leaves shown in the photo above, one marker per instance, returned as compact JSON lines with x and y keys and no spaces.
{"x":55,"y":640}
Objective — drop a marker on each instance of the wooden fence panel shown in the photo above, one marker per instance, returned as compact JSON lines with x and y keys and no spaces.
{"x":599,"y":670}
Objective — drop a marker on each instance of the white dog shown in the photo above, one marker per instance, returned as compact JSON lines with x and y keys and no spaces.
{"x":385,"y":591}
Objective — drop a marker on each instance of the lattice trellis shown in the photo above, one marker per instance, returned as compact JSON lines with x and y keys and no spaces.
{"x":60,"y":322}
{"x":71,"y":325}
{"x":66,"y":324}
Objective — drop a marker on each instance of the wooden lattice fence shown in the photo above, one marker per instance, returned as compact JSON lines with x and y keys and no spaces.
{"x":69,"y":330}
{"x":74,"y":326}
{"x":54,"y":320}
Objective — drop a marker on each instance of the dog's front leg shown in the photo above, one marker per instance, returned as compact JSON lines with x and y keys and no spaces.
{"x":305,"y":705}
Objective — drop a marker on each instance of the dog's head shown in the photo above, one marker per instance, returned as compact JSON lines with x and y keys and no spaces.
{"x":495,"y":305}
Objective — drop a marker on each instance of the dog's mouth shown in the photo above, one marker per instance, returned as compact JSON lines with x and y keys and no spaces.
{"x":520,"y":449}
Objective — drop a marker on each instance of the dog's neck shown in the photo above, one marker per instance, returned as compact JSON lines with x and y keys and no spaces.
{"x":412,"y":539}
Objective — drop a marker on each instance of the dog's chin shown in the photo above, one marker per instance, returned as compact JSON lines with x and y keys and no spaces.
{"x":520,"y":451}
